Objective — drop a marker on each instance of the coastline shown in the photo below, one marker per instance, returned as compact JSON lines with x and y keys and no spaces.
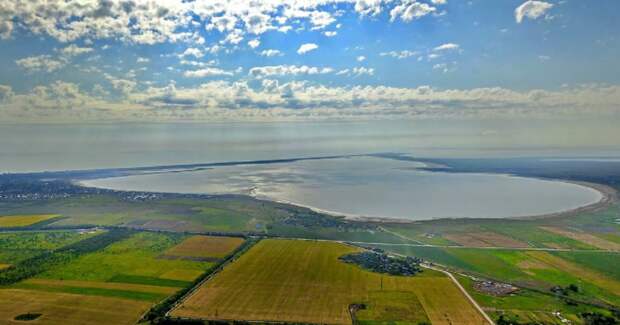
{"x":608,"y":194}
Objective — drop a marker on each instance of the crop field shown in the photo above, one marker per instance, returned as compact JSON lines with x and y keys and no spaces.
{"x":68,"y":309}
{"x":303,"y":281}
{"x":512,"y":233}
{"x":484,"y":239}
{"x":114,"y":284}
{"x":528,"y":306}
{"x":218,"y":214}
{"x":204,"y":247}
{"x":133,"y":260}
{"x":17,"y":221}
{"x":15,"y":247}
{"x":595,"y":273}
{"x":585,"y":238}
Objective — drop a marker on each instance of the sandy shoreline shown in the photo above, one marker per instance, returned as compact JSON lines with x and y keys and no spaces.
{"x":608,"y":196}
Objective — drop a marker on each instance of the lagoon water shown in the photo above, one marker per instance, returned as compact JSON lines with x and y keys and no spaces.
{"x":372,"y":187}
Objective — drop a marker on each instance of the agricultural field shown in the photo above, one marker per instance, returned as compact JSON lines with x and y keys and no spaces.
{"x":304,"y":281}
{"x":17,"y":221}
{"x":16,"y":247}
{"x":67,"y":309}
{"x":133,"y":260}
{"x":528,"y":306}
{"x":594,"y":273}
{"x":217,"y":214}
{"x":116,"y":283}
{"x":204,"y":248}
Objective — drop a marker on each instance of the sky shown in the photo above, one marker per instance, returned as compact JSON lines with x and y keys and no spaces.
{"x":290,"y":60}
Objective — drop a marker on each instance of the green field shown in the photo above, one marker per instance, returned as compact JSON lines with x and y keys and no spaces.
{"x":204,"y":247}
{"x":84,"y":288}
{"x":303,"y":281}
{"x":595,"y":273}
{"x":17,"y":221}
{"x":68,"y":308}
{"x":133,"y":260}
{"x":16,"y":247}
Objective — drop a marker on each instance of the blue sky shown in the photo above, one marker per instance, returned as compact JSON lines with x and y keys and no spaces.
{"x":303,"y":59}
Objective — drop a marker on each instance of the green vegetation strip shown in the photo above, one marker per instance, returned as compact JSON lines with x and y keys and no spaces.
{"x":149,"y":280}
{"x":158,"y":312}
{"x":134,"y":295}
{"x":42,"y":262}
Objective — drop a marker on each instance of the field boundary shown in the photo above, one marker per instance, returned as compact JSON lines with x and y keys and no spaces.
{"x":165,"y":307}
{"x":451,"y":277}
{"x":458,"y":285}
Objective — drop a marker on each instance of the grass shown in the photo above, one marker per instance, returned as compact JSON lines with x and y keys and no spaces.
{"x":189,"y":214}
{"x":148,"y":280}
{"x":134,"y":260}
{"x":58,"y":308}
{"x":102,"y":285}
{"x":303,"y":281}
{"x":596,"y":273}
{"x":95,"y":291}
{"x":392,"y":307}
{"x":205,"y":247}
{"x":16,"y":247}
{"x":527,"y":305}
{"x":17,"y":221}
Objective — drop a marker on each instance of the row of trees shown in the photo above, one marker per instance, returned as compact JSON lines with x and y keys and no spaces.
{"x":42,"y":262}
{"x":382,"y":263}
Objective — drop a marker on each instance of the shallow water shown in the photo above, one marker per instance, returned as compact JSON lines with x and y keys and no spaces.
{"x":373,"y":187}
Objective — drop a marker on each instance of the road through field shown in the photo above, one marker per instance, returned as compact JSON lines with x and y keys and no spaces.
{"x":469,"y":297}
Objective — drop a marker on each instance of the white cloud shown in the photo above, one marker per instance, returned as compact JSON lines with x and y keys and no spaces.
{"x":361,"y":58}
{"x":6,"y":28}
{"x":356,"y":71}
{"x":142,"y":60}
{"x":6,"y":92}
{"x":271,"y":52}
{"x":206,"y":72}
{"x":41,"y":63}
{"x":152,"y":22}
{"x":330,"y":33}
{"x":74,"y":50}
{"x":446,"y":47}
{"x":532,"y":10}
{"x":410,"y":10}
{"x":399,"y":54}
{"x":283,"y":70}
{"x":305,"y":48}
{"x":299,"y":100}
{"x":254,"y":43}
{"x":197,"y":53}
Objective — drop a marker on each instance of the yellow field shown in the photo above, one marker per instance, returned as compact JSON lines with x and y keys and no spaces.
{"x":303,"y":281}
{"x":588,"y":275}
{"x":585,"y":238}
{"x":4,"y":266}
{"x":24,"y":220}
{"x":205,"y":247}
{"x":102,"y":285}
{"x":182,"y":274}
{"x":484,"y":239}
{"x":68,"y":309}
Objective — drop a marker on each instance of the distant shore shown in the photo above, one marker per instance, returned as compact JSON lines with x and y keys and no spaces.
{"x":608,"y":196}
